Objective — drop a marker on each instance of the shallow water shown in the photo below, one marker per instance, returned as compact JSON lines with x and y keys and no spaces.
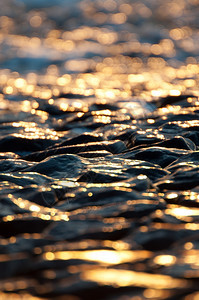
{"x":99,"y":150}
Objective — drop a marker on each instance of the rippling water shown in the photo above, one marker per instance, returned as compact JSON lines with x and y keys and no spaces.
{"x":99,"y":160}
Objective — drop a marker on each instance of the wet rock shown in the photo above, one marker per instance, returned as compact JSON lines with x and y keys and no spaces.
{"x":138,"y":209}
{"x":159,"y":239}
{"x":172,"y":100}
{"x":152,"y":172}
{"x":113,"y":147}
{"x":144,"y":139}
{"x":178,"y":143}
{"x":13,"y":165}
{"x":81,"y":139}
{"x":180,"y":126}
{"x":95,"y":177}
{"x":43,"y":195}
{"x":192,"y":157}
{"x":193,"y":136}
{"x":184,"y":178}
{"x":16,"y":227}
{"x":78,"y":229}
{"x":22,"y":145}
{"x":157,"y":155}
{"x":24,"y":179}
{"x":92,"y":154}
{"x":59,"y":166}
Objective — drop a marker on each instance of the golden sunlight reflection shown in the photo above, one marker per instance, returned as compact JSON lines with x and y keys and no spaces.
{"x":191,"y":257}
{"x":156,"y":294}
{"x":36,"y":211}
{"x":124,"y":278}
{"x":20,"y":83}
{"x":108,"y":257}
{"x":113,"y":77}
{"x":35,"y":21}
{"x":75,"y":77}
{"x":31,"y":130}
{"x":181,"y":212}
{"x":171,"y":196}
{"x":165,"y":260}
{"x":192,"y":296}
{"x":16,"y":296}
{"x":118,"y":245}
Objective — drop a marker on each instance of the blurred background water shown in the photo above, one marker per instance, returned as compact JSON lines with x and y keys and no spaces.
{"x":122,"y":45}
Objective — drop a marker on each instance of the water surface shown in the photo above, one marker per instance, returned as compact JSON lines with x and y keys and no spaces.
{"x":99,"y":137}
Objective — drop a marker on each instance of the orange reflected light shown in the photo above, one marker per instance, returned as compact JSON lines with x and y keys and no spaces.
{"x":8,"y":90}
{"x":119,"y":18}
{"x":181,"y":212}
{"x":20,"y":83}
{"x":35,"y":21}
{"x":109,"y":257}
{"x":126,"y":8}
{"x":174,"y":92}
{"x":165,"y":260}
{"x":36,"y":210}
{"x":122,"y":278}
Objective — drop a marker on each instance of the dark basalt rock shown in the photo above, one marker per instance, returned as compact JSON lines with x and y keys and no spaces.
{"x":179,"y":127}
{"x":95,"y":177}
{"x":59,"y":166}
{"x":16,"y":227}
{"x":193,"y":136}
{"x":13,"y":165}
{"x":158,"y":240}
{"x":23,"y":145}
{"x":153,"y":173}
{"x":92,"y":154}
{"x":114,"y":147}
{"x":172,"y":100}
{"x":81,"y":139}
{"x":192,"y":157}
{"x":177,"y":142}
{"x":157,"y":155}
{"x":43,"y":196}
{"x":143,"y":140}
{"x":184,"y":178}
